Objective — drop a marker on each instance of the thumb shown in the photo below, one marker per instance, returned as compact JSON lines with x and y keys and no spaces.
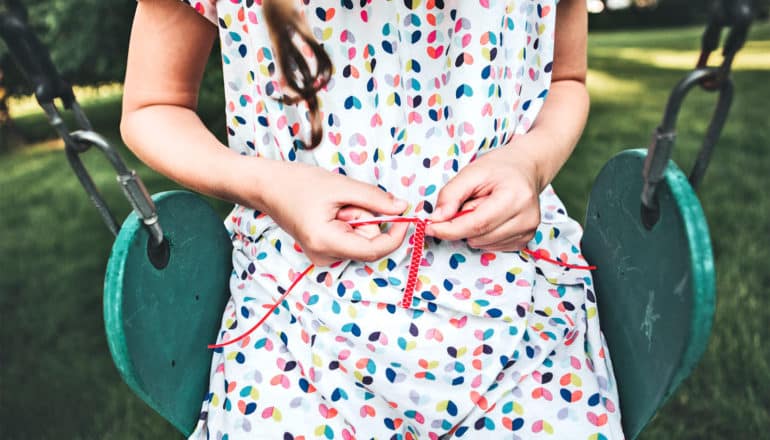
{"x":373,"y":199}
{"x":349,"y":213}
{"x":452,"y":196}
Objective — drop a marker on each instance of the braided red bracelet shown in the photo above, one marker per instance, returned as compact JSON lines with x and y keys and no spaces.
{"x":418,"y":242}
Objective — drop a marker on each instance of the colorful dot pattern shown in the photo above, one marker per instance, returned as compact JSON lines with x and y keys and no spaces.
{"x":495,"y":343}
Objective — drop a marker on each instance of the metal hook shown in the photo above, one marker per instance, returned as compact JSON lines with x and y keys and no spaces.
{"x":130,"y":183}
{"x":659,"y":152}
{"x":35,"y":62}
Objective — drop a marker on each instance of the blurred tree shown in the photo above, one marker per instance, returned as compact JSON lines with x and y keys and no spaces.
{"x":88,"y":43}
{"x":87,"y":39}
{"x":10,"y":78}
{"x":762,"y":9}
{"x":651,"y":13}
{"x":660,"y":13}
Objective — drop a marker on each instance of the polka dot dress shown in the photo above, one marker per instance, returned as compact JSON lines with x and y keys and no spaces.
{"x":494,"y":344}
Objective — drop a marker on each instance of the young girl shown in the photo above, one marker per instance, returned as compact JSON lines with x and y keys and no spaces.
{"x":476,"y":317}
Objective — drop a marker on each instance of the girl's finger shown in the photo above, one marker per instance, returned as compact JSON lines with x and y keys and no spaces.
{"x":522,"y":226}
{"x":485,"y":217}
{"x":350,"y":213}
{"x":456,"y":192}
{"x":492,"y":244}
{"x":471,"y":204}
{"x":510,"y":245}
{"x":373,"y":199}
{"x":343,"y":242}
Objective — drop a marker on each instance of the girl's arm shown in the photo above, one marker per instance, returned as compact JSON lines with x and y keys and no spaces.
{"x":502,"y":186}
{"x":170,"y":44}
{"x":565,"y":111}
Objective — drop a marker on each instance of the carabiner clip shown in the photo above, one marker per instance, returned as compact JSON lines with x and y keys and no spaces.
{"x":35,"y":62}
{"x":659,"y":151}
{"x":130,"y":183}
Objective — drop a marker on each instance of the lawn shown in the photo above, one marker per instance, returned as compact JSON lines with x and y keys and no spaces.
{"x":56,"y":376}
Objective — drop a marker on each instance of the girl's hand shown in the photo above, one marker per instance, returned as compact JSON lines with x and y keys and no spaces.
{"x":314,"y":205}
{"x":503,"y":185}
{"x":350,"y":213}
{"x":502,"y":188}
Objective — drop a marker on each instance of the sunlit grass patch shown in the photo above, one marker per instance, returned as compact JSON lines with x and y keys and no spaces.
{"x":755,"y":56}
{"x":26,"y":105}
{"x":604,"y":85}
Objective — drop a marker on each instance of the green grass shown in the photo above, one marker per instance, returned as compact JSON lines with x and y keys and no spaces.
{"x":57,"y":379}
{"x":728,"y":396}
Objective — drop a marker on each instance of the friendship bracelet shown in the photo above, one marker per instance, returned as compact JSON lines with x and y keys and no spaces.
{"x":418,"y":243}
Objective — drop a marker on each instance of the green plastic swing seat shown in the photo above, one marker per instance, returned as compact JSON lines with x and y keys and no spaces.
{"x":158,"y":322}
{"x":655,"y":290}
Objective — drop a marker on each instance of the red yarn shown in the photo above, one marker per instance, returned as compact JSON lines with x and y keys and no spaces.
{"x":418,"y":243}
{"x":271,"y":309}
{"x":540,"y":255}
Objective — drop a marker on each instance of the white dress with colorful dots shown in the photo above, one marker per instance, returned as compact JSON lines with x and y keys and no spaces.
{"x":494,"y":344}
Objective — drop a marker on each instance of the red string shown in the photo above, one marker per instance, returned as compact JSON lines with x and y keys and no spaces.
{"x":540,"y":255}
{"x":271,"y":309}
{"x":418,"y":243}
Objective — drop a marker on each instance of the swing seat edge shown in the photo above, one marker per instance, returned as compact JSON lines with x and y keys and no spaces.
{"x":158,"y":322}
{"x":656,"y":321}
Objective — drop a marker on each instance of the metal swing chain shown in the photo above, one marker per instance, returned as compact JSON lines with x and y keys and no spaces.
{"x":35,"y":62}
{"x":736,"y":14}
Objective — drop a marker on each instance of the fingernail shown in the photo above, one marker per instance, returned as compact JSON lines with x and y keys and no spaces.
{"x":401,"y":204}
{"x":438,"y":213}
